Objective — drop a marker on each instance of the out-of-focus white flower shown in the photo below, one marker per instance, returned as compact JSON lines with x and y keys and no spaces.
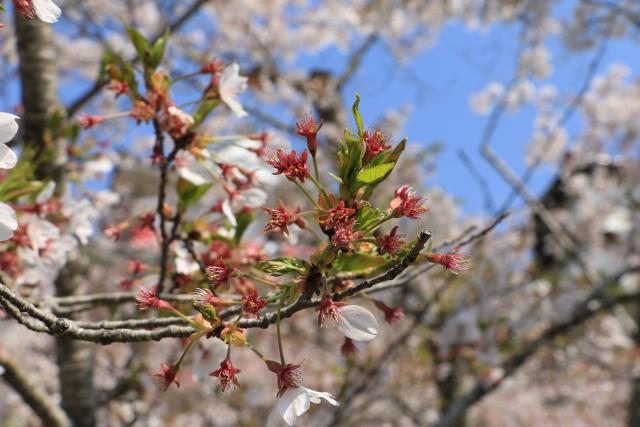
{"x":191,"y":169}
{"x":39,"y":231}
{"x":46,"y":193}
{"x":231,"y":85}
{"x":482,"y":102}
{"x":42,"y":267}
{"x":82,"y":215}
{"x":93,"y":169}
{"x":184,"y":262}
{"x":8,"y":222}
{"x":8,"y":129}
{"x":46,"y":10}
{"x":294,"y":402}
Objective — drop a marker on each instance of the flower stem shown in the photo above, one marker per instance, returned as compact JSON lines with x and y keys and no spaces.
{"x":282,"y":362}
{"x":306,"y":193}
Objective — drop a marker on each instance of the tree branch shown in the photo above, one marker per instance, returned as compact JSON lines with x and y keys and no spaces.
{"x":30,"y":392}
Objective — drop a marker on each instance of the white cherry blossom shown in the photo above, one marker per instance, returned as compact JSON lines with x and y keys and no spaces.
{"x":8,"y":130}
{"x":8,"y":222}
{"x":232,"y":84}
{"x":46,"y":10}
{"x":294,"y":402}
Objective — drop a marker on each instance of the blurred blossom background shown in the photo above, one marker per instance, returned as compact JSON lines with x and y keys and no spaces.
{"x":521,"y":114}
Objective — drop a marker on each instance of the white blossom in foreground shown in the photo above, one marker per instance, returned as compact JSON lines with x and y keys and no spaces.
{"x":294,"y":402}
{"x":231,"y":85}
{"x":8,"y":222}
{"x":47,"y":10}
{"x":354,"y":322}
{"x":8,"y":130}
{"x":8,"y":159}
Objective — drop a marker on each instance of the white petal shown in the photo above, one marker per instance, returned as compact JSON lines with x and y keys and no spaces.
{"x":272,"y":421}
{"x":316,"y":396}
{"x":357,"y":323}
{"x":46,"y":193}
{"x":231,"y":85}
{"x":228,"y":212}
{"x":47,"y":10}
{"x":8,"y":222}
{"x":293,"y":403}
{"x":8,"y":158}
{"x":8,"y":127}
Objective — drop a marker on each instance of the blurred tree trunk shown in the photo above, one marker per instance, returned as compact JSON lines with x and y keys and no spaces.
{"x":38,"y":74}
{"x":634,"y":395}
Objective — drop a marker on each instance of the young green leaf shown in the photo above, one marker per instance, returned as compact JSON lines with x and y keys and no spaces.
{"x":375,"y":174}
{"x":357,"y":116}
{"x":284,"y":265}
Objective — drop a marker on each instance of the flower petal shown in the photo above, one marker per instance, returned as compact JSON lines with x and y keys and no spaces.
{"x":47,"y":10}
{"x":293,"y":403}
{"x":317,"y":396}
{"x":8,"y":158}
{"x":8,"y":222}
{"x":357,"y":323}
{"x":8,"y":127}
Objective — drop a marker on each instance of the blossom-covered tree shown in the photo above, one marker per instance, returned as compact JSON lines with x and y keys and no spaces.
{"x":184,"y":204}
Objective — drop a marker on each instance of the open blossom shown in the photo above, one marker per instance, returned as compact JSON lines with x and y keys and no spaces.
{"x":375,"y":143}
{"x":231,"y":85}
{"x":340,"y":214}
{"x":8,"y":130}
{"x":252,"y":304}
{"x":344,"y":235}
{"x":294,"y":402}
{"x":147,"y":298}
{"x":45,"y":10}
{"x":390,"y":243}
{"x":290,"y":165}
{"x":391,"y":314}
{"x":289,"y":375}
{"x":226,"y":374}
{"x":280,"y":218}
{"x":219,"y":273}
{"x":8,"y":222}
{"x":353,"y":321}
{"x":168,"y":375}
{"x":308,"y":127}
{"x":454,"y":262}
{"x":406,"y":203}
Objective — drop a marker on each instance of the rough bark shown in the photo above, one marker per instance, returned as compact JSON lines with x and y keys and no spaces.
{"x":39,"y":83}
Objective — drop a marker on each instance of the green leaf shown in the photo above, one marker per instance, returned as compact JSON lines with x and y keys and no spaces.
{"x":357,"y":116}
{"x":367,"y":216}
{"x":375,"y":174}
{"x":157,"y":52}
{"x":284,"y":265}
{"x":190,"y":193}
{"x":139,"y":41}
{"x":358,"y":263}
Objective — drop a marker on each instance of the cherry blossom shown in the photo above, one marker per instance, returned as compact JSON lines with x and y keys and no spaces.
{"x":353,"y":321}
{"x":231,"y":85}
{"x":8,"y":130}
{"x":294,"y":402}
{"x":226,"y":374}
{"x":406,"y":203}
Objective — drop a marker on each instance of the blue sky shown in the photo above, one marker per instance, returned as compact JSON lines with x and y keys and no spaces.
{"x":438,"y":83}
